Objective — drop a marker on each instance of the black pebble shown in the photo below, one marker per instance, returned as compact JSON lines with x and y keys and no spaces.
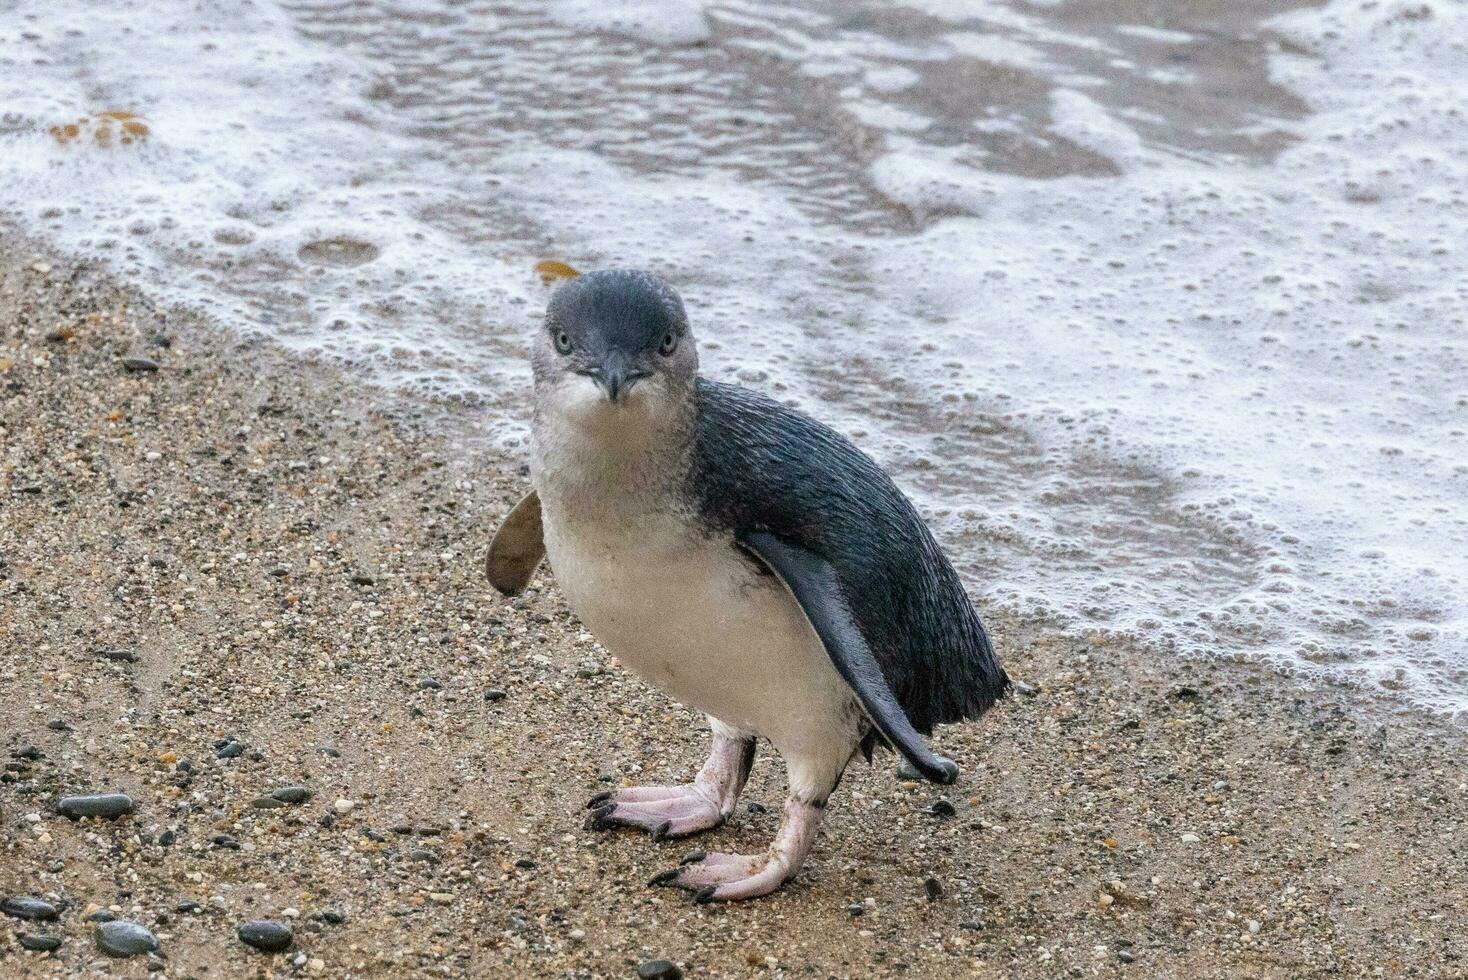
{"x":124,"y":939}
{"x":117,"y":653}
{"x":753,"y":807}
{"x":39,"y":944}
{"x":101,"y":915}
{"x":331,"y":917}
{"x":136,"y":364}
{"x":933,"y":887}
{"x":106,"y":805}
{"x":941,"y":808}
{"x":185,"y":908}
{"x":1126,"y":956}
{"x":856,"y":909}
{"x":230,"y":750}
{"x":495,"y":694}
{"x":291,"y":794}
{"x":658,"y":970}
{"x":28,"y":907}
{"x":429,"y":684}
{"x":266,"y":935}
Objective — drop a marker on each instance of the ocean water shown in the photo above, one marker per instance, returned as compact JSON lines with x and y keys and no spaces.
{"x":1157,"y":309}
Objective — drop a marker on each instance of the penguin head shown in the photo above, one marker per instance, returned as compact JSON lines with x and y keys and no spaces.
{"x":615,"y":338}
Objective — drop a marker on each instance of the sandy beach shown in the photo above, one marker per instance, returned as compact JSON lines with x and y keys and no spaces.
{"x":225,"y":571}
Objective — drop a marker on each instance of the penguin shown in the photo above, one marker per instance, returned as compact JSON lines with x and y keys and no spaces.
{"x":741,"y":556}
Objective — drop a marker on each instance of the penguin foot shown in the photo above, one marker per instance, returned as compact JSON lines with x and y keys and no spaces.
{"x":719,"y":877}
{"x":663,"y":811}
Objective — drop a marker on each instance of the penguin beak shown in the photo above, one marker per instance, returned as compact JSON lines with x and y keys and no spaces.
{"x":616,"y":378}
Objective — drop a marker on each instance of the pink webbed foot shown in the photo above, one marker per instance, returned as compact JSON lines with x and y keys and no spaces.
{"x":677,"y":811}
{"x":663,"y":811}
{"x":719,"y":877}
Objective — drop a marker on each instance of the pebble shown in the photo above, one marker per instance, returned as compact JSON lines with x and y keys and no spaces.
{"x":441,"y":898}
{"x":28,"y":907}
{"x":136,"y":364}
{"x":856,"y":909}
{"x":1025,"y":690}
{"x":495,"y":694}
{"x":39,"y":944}
{"x":941,"y":808}
{"x":1126,"y":956}
{"x":330,"y":917}
{"x":122,"y":939}
{"x":659,"y":970}
{"x":933,"y":887}
{"x":344,"y":806}
{"x":430,"y":684}
{"x":119,"y":654}
{"x":107,"y":805}
{"x":268,"y":803}
{"x":1190,"y":838}
{"x":266,"y":935}
{"x":231,"y":749}
{"x":291,"y":794}
{"x":101,"y":915}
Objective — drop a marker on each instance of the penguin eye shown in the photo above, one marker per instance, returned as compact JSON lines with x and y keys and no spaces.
{"x":669,"y":344}
{"x":563,"y":342}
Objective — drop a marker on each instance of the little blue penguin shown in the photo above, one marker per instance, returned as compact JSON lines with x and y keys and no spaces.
{"x":744,"y":558}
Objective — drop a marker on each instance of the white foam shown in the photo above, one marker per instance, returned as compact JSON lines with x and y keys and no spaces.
{"x":675,"y":22}
{"x":1215,"y":400}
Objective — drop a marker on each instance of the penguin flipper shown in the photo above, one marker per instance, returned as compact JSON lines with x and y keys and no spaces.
{"x":517,"y":548}
{"x":813,"y":582}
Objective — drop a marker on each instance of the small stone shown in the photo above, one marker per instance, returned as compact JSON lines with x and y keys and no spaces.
{"x":362,"y":578}
{"x":1025,"y":690}
{"x":137,"y":364}
{"x":231,"y":749}
{"x":1126,"y":956}
{"x":119,"y":654}
{"x":225,"y":842}
{"x":430,"y":684}
{"x":331,"y":917}
{"x":1190,"y":838}
{"x":933,"y":887}
{"x":57,"y":725}
{"x":316,"y":965}
{"x":266,"y":935}
{"x":659,"y":970}
{"x":28,"y":907}
{"x":495,"y":694}
{"x":856,"y":909}
{"x":122,"y":939}
{"x":291,"y":794}
{"x":1254,"y":927}
{"x":755,"y":807}
{"x":39,"y":944}
{"x":577,"y":935}
{"x":344,"y":806}
{"x":941,"y":808}
{"x":268,"y":803}
{"x":101,"y":915}
{"x":185,"y":908}
{"x":106,"y":805}
{"x":441,"y":898}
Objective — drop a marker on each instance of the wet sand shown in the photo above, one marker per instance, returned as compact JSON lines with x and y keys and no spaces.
{"x":294,"y":563}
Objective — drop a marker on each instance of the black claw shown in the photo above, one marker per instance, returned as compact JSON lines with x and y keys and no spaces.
{"x":661,"y":831}
{"x":705,"y":895}
{"x":693,"y":857}
{"x":599,"y":799}
{"x":599,"y":818}
{"x":663,"y":878}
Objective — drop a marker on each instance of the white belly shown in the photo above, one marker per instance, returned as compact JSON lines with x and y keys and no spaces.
{"x":693,"y":616}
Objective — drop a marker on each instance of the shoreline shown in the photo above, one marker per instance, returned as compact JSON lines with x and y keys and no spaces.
{"x":300,"y":569}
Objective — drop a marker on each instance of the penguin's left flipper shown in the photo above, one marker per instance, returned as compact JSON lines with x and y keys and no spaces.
{"x":517,"y":548}
{"x":813,"y":582}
